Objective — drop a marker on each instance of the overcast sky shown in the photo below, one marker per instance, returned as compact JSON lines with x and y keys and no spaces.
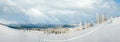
{"x":55,"y":11}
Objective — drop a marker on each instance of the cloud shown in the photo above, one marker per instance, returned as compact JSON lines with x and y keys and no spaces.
{"x":57,"y":11}
{"x":62,"y":12}
{"x":34,"y":13}
{"x":73,"y":3}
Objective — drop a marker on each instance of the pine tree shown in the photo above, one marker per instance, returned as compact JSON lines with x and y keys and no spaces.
{"x":103,"y":18}
{"x":85,"y":25}
{"x":88,"y":25}
{"x":97,"y":19}
{"x":80,"y":25}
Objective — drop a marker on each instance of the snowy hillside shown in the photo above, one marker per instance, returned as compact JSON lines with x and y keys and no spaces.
{"x":106,"y":32}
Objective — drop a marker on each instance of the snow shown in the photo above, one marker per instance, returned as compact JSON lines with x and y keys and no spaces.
{"x":99,"y":33}
{"x":12,"y":35}
{"x":106,"y":33}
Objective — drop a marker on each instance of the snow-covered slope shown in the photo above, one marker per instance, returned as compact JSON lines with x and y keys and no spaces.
{"x":106,"y":33}
{"x":12,"y":35}
{"x":100,"y":33}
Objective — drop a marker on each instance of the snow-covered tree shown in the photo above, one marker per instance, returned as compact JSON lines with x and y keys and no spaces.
{"x":97,"y":18}
{"x":85,"y":25}
{"x":104,"y":18}
{"x":80,"y":25}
